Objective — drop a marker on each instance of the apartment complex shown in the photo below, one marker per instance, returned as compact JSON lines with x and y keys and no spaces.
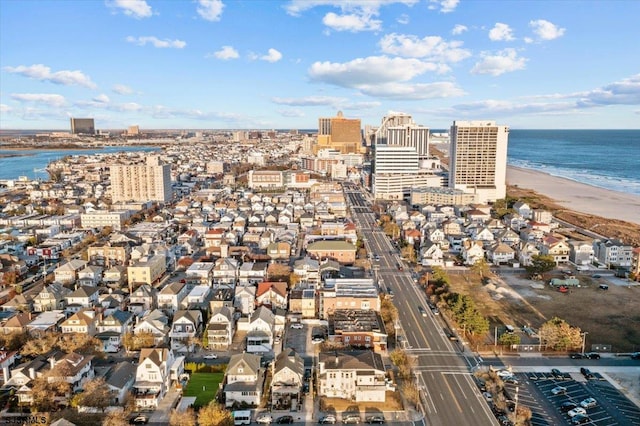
{"x":141,"y":182}
{"x":478,"y":159}
{"x":400,"y":130}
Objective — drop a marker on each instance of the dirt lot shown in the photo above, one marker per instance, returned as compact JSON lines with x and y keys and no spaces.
{"x":609,"y":316}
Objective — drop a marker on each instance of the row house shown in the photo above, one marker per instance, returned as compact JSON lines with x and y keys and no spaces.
{"x":171,"y":296}
{"x":252,"y":272}
{"x":200,"y":273}
{"x":143,"y":298}
{"x":612,"y":252}
{"x":111,"y":329}
{"x":147,"y":270}
{"x":221,"y":328}
{"x":187,"y":324}
{"x":581,"y":252}
{"x":287,"y":372}
{"x":109,"y":255}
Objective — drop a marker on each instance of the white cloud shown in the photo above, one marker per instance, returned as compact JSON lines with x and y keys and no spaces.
{"x":504,"y":61}
{"x":43,"y":73}
{"x":351,"y":22}
{"x":403,"y":19}
{"x":121,"y":89}
{"x":446,"y":6}
{"x":210,"y":10}
{"x":4,"y":108}
{"x":545,"y":30}
{"x":417,"y":91}
{"x":296,"y":7}
{"x":310,"y":101}
{"x":49,"y":99}
{"x":430,"y":47}
{"x":135,"y":8}
{"x":501,"y":32}
{"x":272,"y":56}
{"x":370,"y":70}
{"x":104,"y":99}
{"x":226,"y":53}
{"x":459,"y":29}
{"x":625,"y":92}
{"x":156,"y":42}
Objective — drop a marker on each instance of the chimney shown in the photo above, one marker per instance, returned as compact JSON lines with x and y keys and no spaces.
{"x":32,"y":372}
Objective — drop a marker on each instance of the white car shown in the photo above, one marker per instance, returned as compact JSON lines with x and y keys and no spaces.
{"x":576,"y":411}
{"x":297,"y":325}
{"x":264,"y":419}
{"x":588,"y":403}
{"x":211,"y":356}
{"x":503,"y":374}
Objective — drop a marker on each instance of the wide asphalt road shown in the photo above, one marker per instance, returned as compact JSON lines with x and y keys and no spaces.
{"x":450,"y":395}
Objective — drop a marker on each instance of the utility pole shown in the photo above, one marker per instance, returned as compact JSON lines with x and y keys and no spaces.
{"x":584,"y":340}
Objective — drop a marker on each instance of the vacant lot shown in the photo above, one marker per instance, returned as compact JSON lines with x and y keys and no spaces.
{"x":204,"y":386}
{"x":609,"y":316}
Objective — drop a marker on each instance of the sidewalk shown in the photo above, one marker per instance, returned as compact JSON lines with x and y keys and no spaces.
{"x":161,"y":415}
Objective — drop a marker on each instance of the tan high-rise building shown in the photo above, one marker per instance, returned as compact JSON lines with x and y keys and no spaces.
{"x":339,"y":133}
{"x":83,"y":126}
{"x":141,"y":182}
{"x":478,"y":159}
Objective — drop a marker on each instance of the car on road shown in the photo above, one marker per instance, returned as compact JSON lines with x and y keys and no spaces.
{"x":576,"y":411}
{"x":487,"y":396}
{"x":592,"y":355}
{"x":297,"y":325}
{"x":422,"y":311}
{"x":329,"y":419}
{"x":559,"y":390}
{"x":557,"y":373}
{"x":210,"y":356}
{"x":139,"y":420}
{"x":568,"y":406}
{"x":264,"y":419}
{"x":284,"y":420}
{"x":596,"y":276}
{"x":576,"y":355}
{"x":588,"y":403}
{"x":635,"y":355}
{"x":375,"y":420}
{"x":317,"y":340}
{"x":376,"y":258}
{"x":503,"y":374}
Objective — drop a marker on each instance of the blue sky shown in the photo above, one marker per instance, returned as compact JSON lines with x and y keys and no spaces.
{"x":211,"y":64}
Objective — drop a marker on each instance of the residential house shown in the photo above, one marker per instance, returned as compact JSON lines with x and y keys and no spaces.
{"x":144,"y":298}
{"x":581,"y":252}
{"x":556,"y":248}
{"x":156,"y":323}
{"x":171,"y":296}
{"x":260,"y":331}
{"x":523,"y":209}
{"x":303,"y":301}
{"x":200,"y":273}
{"x":112,"y":328}
{"x":244,"y":381}
{"x":90,"y":275}
{"x":308,"y":270}
{"x":272,"y":294}
{"x":19,"y":302}
{"x":431,"y":254}
{"x":221,"y":328}
{"x":82,"y":297}
{"x":245,"y":298}
{"x":152,"y":377}
{"x":279,"y":251}
{"x":508,"y":236}
{"x":68,"y":272}
{"x":472,"y":252}
{"x":252,"y":272}
{"x":83,"y":321}
{"x":612,"y":252}
{"x":147,"y":270}
{"x":115,"y":277}
{"x":120,"y":380}
{"x":357,"y":376}
{"x":526,"y":251}
{"x":72,"y":368}
{"x":345,"y":293}
{"x":15,"y":324}
{"x":500,"y":253}
{"x":287,"y":380}
{"x":187,"y":324}
{"x":225,"y":272}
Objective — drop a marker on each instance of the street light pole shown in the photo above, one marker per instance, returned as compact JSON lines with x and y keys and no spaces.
{"x":584,"y":339}
{"x":515,"y":410}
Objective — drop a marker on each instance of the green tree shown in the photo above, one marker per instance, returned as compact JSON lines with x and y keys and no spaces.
{"x":481,"y":267}
{"x":509,"y":339}
{"x":540,"y":264}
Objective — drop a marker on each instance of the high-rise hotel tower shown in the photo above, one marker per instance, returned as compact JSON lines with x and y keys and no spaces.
{"x":478,"y":159}
{"x":141,"y":182}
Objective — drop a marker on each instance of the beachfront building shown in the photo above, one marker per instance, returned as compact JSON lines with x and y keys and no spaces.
{"x":612,"y":252}
{"x":478,"y":159}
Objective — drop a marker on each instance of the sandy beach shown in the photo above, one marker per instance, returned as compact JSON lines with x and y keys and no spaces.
{"x":578,"y":196}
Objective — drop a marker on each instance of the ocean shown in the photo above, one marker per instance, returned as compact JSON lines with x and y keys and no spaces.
{"x":608,"y":159}
{"x":32,"y":163}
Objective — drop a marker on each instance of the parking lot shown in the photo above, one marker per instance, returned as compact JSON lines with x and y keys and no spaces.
{"x":536,"y":391}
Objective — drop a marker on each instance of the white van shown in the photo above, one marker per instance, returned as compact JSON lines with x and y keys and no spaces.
{"x":510,"y":329}
{"x":242,"y":417}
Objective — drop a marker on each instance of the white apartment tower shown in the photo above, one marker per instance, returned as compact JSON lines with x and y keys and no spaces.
{"x":141,"y":182}
{"x":478,"y":159}
{"x":400,"y":129}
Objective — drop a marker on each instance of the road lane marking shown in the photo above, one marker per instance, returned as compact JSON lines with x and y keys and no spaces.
{"x":455,"y":400}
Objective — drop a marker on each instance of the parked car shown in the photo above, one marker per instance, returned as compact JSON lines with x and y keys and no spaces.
{"x":586,"y":372}
{"x":512,"y":380}
{"x":351,"y":419}
{"x":139,"y":420}
{"x":264,"y":419}
{"x":559,"y":390}
{"x":375,"y":420}
{"x":329,"y":419}
{"x":576,"y":411}
{"x":592,"y":355}
{"x":568,"y":406}
{"x":576,"y":355}
{"x":211,"y":356}
{"x":635,"y":355}
{"x":297,"y":325}
{"x":557,"y":373}
{"x":284,"y":420}
{"x":588,"y":403}
{"x":580,"y":419}
{"x":504,"y":374}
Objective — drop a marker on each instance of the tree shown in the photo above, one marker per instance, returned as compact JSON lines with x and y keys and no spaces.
{"x":391,"y":230}
{"x":134,"y":342}
{"x":403,"y":362}
{"x":389,"y":315}
{"x":182,"y":418}
{"x":410,"y":392}
{"x":80,"y":343}
{"x":47,"y":389}
{"x":116,"y":418}
{"x":214,"y":414}
{"x":509,"y":339}
{"x":40,"y":344}
{"x":96,"y":394}
{"x":14,"y":341}
{"x":557,"y":334}
{"x":540,"y":264}
{"x":409,"y":252}
{"x":278,"y":272}
{"x":481,"y":267}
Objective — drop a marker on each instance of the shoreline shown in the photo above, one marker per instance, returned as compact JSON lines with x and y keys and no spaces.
{"x":578,"y":196}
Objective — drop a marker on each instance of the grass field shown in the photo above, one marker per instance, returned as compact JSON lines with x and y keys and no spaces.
{"x":204,"y":386}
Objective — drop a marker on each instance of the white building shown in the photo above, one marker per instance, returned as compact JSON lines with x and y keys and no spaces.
{"x":478,"y":158}
{"x":141,"y":182}
{"x":352,"y":375}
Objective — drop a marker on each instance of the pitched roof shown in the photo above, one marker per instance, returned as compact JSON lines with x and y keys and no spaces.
{"x":244,"y":361}
{"x":352,"y":360}
{"x":156,"y":355}
{"x":288,"y":358}
{"x":279,"y":287}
